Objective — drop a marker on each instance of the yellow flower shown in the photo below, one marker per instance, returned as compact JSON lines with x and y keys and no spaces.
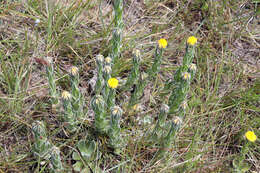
{"x":74,"y":70}
{"x":65,"y":95}
{"x":250,"y":135}
{"x":192,"y":40}
{"x":112,"y":83}
{"x":162,"y":43}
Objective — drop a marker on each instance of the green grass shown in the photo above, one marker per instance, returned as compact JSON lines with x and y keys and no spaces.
{"x":223,"y":99}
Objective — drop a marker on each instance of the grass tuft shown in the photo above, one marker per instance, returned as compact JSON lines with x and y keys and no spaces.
{"x":222,"y":101}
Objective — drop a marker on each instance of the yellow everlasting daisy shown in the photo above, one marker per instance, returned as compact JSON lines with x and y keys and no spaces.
{"x":112,"y":83}
{"x":250,"y":135}
{"x":162,"y":43}
{"x":192,"y":40}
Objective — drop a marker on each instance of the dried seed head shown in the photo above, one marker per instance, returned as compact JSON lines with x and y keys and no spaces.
{"x":193,"y":67}
{"x":74,"y":71}
{"x":186,"y":76}
{"x":65,"y":95}
{"x":108,"y":60}
{"x":107,"y":69}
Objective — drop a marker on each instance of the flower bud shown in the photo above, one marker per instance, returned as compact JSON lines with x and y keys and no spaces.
{"x":184,"y":105}
{"x":99,"y":100}
{"x":177,"y":121}
{"x":144,"y":76}
{"x":136,"y":53}
{"x":100,"y":58}
{"x":107,"y":69}
{"x":193,"y":67}
{"x":65,"y":95}
{"x":74,"y":71}
{"x":186,"y":76}
{"x":116,"y":110}
{"x":165,"y":108}
{"x":108,"y":60}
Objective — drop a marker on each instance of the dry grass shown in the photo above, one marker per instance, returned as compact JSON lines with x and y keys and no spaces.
{"x":223,"y":101}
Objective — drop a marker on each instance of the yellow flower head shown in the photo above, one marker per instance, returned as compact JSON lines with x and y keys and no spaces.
{"x":192,"y":40}
{"x":112,"y":83}
{"x":74,"y":70}
{"x":162,"y":43}
{"x":250,"y":135}
{"x":65,"y":95}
